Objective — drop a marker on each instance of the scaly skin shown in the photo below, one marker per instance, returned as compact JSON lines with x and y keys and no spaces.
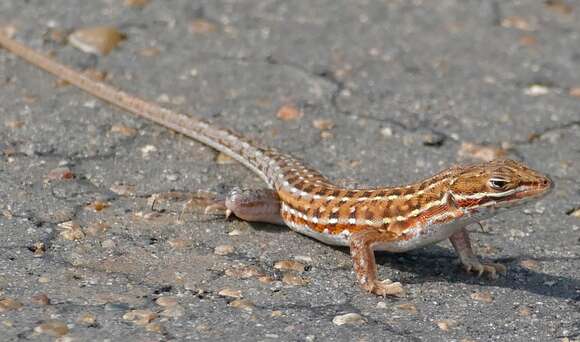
{"x":395,"y":219}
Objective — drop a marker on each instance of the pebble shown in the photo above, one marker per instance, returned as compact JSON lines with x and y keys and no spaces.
{"x":202,"y":26}
{"x":40,"y":299}
{"x":87,"y":319}
{"x":224,"y":159}
{"x":140,"y":317}
{"x":230,"y":293}
{"x":166,"y":301}
{"x":289,"y":113}
{"x":295,"y":280}
{"x":174,"y":312}
{"x":484,"y":297}
{"x":408,"y":307}
{"x":446,"y":324}
{"x":60,"y":173}
{"x":323,"y":124}
{"x":98,"y":40}
{"x":155,"y":327}
{"x":349,"y":318}
{"x":8,"y":304}
{"x":242,"y":304}
{"x":244,"y":272}
{"x":53,"y":328}
{"x":224,"y":250}
{"x":289,"y":265}
{"x":529,"y":264}
{"x":124,"y":130}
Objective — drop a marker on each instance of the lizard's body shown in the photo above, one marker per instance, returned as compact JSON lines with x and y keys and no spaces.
{"x":394,"y":219}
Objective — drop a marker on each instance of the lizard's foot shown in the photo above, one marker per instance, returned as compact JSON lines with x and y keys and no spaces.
{"x":386,"y":288}
{"x":491,"y":269}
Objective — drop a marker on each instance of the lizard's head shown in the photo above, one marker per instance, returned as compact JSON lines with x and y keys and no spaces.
{"x":501,"y":184}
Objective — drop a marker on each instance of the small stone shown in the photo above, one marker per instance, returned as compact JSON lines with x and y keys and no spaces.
{"x":516,"y":22}
{"x":276,"y":313}
{"x":484,"y":153}
{"x":98,"y":40}
{"x":155,"y":328}
{"x":97,"y":229}
{"x":147,"y":150}
{"x":387,"y":132}
{"x":323,"y":124}
{"x":529,"y":264}
{"x":289,"y":113}
{"x":60,"y":173}
{"x":202,"y":26}
{"x":433,"y":139}
{"x":108,"y":244}
{"x":575,"y":91}
{"x":53,"y":328}
{"x":14,"y":124}
{"x":179,"y":243}
{"x":123,"y":189}
{"x":87,"y":319}
{"x":230,"y":293}
{"x":536,"y":90}
{"x":265,"y":279}
{"x":40,"y":299}
{"x":242,"y":304}
{"x":166,"y":301}
{"x":140,"y":317}
{"x":349,"y":318}
{"x":224,"y":159}
{"x":149,"y":52}
{"x":484,"y":297}
{"x":408,"y":307}
{"x":244,"y":272}
{"x":98,"y":206}
{"x":43,"y":279}
{"x":72,"y":231}
{"x":174,"y":312}
{"x":446,"y":324}
{"x":574,"y":212}
{"x":136,"y":3}
{"x":124,"y":130}
{"x":224,"y":250}
{"x":559,"y":6}
{"x":528,"y":40}
{"x":8,"y":304}
{"x":291,"y":279}
{"x":524,"y":311}
{"x":289,"y":265}
{"x":38,"y":248}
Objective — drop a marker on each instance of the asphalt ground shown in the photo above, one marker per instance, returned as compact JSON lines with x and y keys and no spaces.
{"x":96,"y":244}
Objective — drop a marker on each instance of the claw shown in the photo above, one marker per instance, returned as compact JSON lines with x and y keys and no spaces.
{"x":491,"y":269}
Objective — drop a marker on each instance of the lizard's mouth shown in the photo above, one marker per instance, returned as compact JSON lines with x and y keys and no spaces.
{"x":531,"y":191}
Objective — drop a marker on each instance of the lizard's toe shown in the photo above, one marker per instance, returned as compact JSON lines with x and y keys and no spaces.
{"x":491,"y":269}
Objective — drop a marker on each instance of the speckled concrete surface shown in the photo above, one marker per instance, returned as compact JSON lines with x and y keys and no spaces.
{"x":405,"y":86}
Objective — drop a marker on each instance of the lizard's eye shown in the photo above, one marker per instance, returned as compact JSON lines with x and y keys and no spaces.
{"x":498,"y":183}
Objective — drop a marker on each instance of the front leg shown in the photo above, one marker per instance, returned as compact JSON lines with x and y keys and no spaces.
{"x":365,"y":267}
{"x":462,"y":244}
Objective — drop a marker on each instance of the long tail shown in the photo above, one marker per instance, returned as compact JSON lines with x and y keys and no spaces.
{"x":222,"y":140}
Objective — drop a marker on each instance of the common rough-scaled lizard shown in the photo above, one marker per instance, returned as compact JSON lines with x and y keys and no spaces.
{"x":393,"y":219}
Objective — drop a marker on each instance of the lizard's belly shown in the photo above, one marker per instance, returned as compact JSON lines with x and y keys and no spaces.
{"x":414,"y":238}
{"x":418,"y":237}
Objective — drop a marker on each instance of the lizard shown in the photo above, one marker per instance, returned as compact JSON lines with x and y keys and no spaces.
{"x":393,"y":219}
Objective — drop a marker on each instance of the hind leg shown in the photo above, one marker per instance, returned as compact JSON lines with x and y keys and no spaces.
{"x":261,"y":205}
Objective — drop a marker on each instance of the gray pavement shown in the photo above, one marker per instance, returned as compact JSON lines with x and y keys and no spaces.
{"x":91,"y":197}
